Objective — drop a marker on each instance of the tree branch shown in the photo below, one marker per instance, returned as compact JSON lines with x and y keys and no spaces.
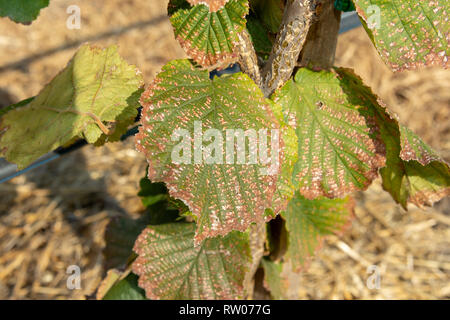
{"x":257,"y":236}
{"x":248,"y":60}
{"x":320,"y":46}
{"x":297,"y":19}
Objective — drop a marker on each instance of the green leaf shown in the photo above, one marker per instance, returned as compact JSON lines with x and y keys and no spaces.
{"x":22,"y":11}
{"x":344,"y":5}
{"x":213,"y":5}
{"x":125,"y":289}
{"x":339,"y":146}
{"x":96,"y":94}
{"x":273,"y":279}
{"x":120,"y":235}
{"x":259,"y":36}
{"x":210,"y":37}
{"x":413,"y":172}
{"x":408,"y":34}
{"x":307,"y":221}
{"x":19,"y":104}
{"x":121,"y":232}
{"x":413,"y":148}
{"x":284,"y":186}
{"x":171,"y":267}
{"x":175,"y":5}
{"x":223,"y":192}
{"x":270,"y":12}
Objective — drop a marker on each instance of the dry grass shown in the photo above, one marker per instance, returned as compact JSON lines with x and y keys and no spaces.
{"x":55,"y":216}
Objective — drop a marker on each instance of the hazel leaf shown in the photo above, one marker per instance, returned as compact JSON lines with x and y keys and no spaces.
{"x":95,"y":95}
{"x":408,"y":34}
{"x":206,"y":139}
{"x":210,"y":38}
{"x":170,"y":266}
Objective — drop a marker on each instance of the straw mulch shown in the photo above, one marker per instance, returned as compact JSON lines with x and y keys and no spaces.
{"x":55,"y":216}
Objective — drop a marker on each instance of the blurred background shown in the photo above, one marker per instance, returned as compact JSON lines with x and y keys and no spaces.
{"x":55,"y":216}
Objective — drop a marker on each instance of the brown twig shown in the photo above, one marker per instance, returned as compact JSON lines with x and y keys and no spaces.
{"x":248,"y":60}
{"x":297,"y":19}
{"x":320,"y":45}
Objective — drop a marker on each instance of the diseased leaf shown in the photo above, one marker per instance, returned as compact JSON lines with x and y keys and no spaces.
{"x":213,"y":5}
{"x":408,"y":34}
{"x":224,"y":186}
{"x":210,"y":37}
{"x":414,"y":172}
{"x":284,"y":187}
{"x":339,"y":146}
{"x":95,"y":94}
{"x":22,"y":11}
{"x":413,"y":148}
{"x":169,"y":266}
{"x":307,"y":221}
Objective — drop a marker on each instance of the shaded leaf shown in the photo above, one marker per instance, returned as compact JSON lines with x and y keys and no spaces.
{"x":344,"y":5}
{"x":339,"y":146}
{"x":408,"y":34}
{"x":87,"y":99}
{"x":22,"y":11}
{"x":273,"y":279}
{"x":210,"y":37}
{"x":223,"y":192}
{"x":414,"y":172}
{"x":125,"y":289}
{"x":307,"y":221}
{"x":259,"y":36}
{"x":175,"y":5}
{"x":120,"y":235}
{"x":121,"y":232}
{"x":171,"y":267}
{"x":269,"y":12}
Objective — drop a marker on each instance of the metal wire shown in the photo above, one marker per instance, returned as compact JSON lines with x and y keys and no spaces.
{"x":349,"y":21}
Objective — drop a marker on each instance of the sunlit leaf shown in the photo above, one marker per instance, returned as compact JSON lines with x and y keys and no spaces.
{"x":213,"y":5}
{"x":23,"y":11}
{"x":210,"y":37}
{"x":171,"y":267}
{"x":19,"y":104}
{"x":413,"y":172}
{"x":408,"y":34}
{"x":339,"y":146}
{"x":224,"y":191}
{"x":96,"y":94}
{"x":307,"y":221}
